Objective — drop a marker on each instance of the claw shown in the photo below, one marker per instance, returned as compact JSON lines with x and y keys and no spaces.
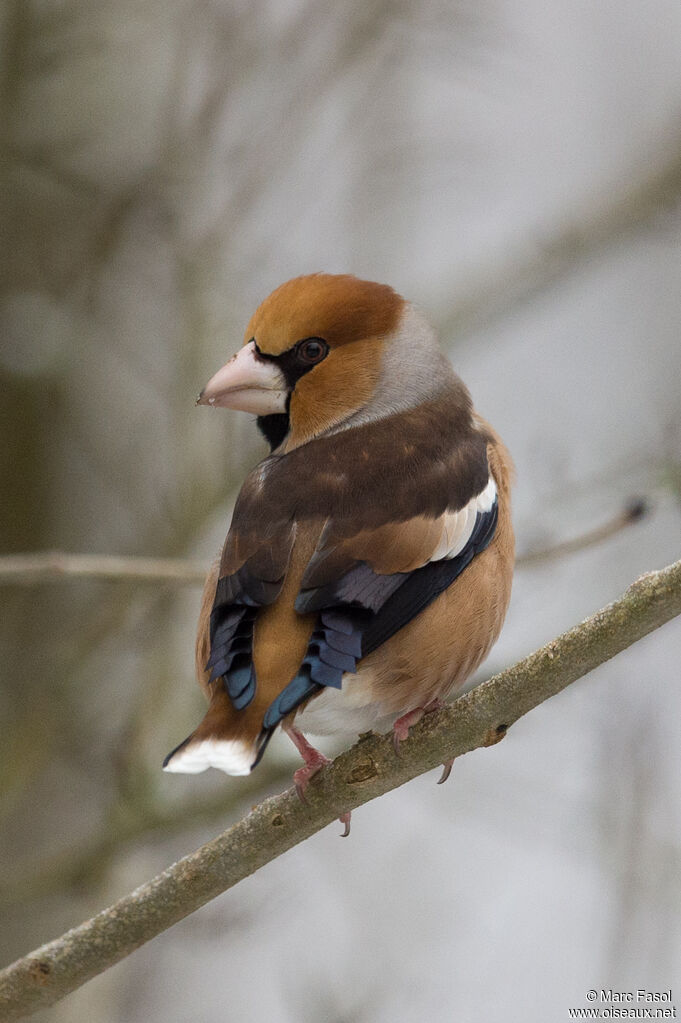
{"x":303,"y":775}
{"x":402,"y":725}
{"x":446,"y":771}
{"x":314,"y":761}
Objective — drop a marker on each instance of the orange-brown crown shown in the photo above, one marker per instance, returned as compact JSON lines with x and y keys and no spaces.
{"x":337,"y":307}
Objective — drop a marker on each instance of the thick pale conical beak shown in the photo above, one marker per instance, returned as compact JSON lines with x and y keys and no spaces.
{"x":247,"y":383}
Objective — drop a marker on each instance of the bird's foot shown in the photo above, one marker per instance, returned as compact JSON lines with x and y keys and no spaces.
{"x":401,"y":732}
{"x":302,"y":776}
{"x":314,"y":761}
{"x":402,"y":726}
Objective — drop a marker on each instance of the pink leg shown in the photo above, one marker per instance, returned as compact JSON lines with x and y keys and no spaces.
{"x":314,"y":761}
{"x":401,"y":731}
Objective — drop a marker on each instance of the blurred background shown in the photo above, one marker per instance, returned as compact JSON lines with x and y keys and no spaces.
{"x":515,"y":169}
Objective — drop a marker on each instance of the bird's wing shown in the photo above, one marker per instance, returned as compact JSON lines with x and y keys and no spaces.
{"x":366,"y":587}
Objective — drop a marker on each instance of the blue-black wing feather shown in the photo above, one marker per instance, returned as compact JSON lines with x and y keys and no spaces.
{"x":237,"y":599}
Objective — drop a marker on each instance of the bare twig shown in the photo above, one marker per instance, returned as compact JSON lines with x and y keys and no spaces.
{"x":368,"y":770}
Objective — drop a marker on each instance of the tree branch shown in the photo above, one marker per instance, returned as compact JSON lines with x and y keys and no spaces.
{"x":367,"y":770}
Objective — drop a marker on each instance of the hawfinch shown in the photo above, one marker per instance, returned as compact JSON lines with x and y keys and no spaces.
{"x":367,"y":569}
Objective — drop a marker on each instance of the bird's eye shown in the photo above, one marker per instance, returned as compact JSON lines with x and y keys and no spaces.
{"x":312,"y":350}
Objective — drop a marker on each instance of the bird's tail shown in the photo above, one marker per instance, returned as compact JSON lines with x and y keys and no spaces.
{"x":229,"y":740}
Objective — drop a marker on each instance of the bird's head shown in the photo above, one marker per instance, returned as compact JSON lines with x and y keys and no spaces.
{"x":325,"y":351}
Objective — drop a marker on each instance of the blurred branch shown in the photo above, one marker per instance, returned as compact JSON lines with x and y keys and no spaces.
{"x":52,"y":566}
{"x":539,"y":260}
{"x":633,"y":512}
{"x":369,"y":769}
{"x":128,"y":821}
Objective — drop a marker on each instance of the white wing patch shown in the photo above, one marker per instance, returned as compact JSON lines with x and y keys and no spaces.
{"x":458,"y":526}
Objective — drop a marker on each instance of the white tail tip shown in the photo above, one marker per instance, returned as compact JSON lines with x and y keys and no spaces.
{"x":229,"y":755}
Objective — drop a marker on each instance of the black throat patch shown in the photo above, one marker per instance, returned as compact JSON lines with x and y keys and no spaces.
{"x":274,"y":428}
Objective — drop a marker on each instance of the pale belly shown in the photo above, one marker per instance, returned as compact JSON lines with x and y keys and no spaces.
{"x":349,"y":710}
